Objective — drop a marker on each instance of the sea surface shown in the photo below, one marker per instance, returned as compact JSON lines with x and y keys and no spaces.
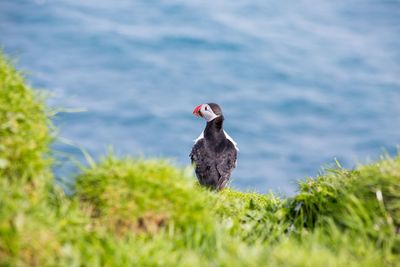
{"x":300,"y":82}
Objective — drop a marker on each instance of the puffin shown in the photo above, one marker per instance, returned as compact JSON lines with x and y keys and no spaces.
{"x":214,"y":153}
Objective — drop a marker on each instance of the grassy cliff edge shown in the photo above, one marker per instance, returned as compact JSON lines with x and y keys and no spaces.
{"x":135,"y":212}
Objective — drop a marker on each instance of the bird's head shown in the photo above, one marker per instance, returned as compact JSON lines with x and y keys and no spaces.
{"x":208,"y":111}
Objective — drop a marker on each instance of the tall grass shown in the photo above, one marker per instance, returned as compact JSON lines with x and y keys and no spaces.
{"x":24,"y":132}
{"x":135,"y":212}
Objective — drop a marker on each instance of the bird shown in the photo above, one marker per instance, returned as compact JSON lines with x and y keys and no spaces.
{"x":214,"y":153}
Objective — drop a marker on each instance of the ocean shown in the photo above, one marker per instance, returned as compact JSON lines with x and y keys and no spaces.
{"x":301,"y":83}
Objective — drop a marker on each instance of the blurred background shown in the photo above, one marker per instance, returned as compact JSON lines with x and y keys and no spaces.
{"x":300,"y":82}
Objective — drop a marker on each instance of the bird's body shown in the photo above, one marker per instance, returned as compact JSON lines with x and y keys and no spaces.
{"x":214,"y":153}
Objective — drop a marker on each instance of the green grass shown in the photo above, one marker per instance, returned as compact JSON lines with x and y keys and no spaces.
{"x":24,"y":132}
{"x":148,"y":212}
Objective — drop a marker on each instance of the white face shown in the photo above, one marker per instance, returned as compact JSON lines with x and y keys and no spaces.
{"x":207,"y":113}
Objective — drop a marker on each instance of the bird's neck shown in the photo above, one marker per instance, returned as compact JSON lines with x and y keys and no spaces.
{"x":214,"y":128}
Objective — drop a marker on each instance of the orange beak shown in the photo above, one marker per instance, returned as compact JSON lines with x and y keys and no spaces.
{"x":197,"y":112}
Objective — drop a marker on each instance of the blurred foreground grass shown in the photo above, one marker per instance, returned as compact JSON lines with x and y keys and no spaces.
{"x":132,"y":212}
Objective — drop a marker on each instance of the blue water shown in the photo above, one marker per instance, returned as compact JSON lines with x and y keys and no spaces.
{"x":300,"y":82}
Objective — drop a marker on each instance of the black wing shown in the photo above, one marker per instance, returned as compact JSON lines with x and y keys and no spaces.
{"x":205,"y":167}
{"x":226,"y":162}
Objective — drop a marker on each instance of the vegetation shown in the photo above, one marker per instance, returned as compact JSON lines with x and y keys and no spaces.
{"x":24,"y":132}
{"x":135,"y":212}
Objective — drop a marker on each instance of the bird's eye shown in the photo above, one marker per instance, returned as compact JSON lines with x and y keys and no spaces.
{"x":206,"y":108}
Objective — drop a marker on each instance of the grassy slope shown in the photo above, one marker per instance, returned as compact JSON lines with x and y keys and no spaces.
{"x":132,"y":212}
{"x":23,"y":130}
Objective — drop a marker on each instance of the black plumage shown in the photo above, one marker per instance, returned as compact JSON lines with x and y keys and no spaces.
{"x":214,"y":154}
